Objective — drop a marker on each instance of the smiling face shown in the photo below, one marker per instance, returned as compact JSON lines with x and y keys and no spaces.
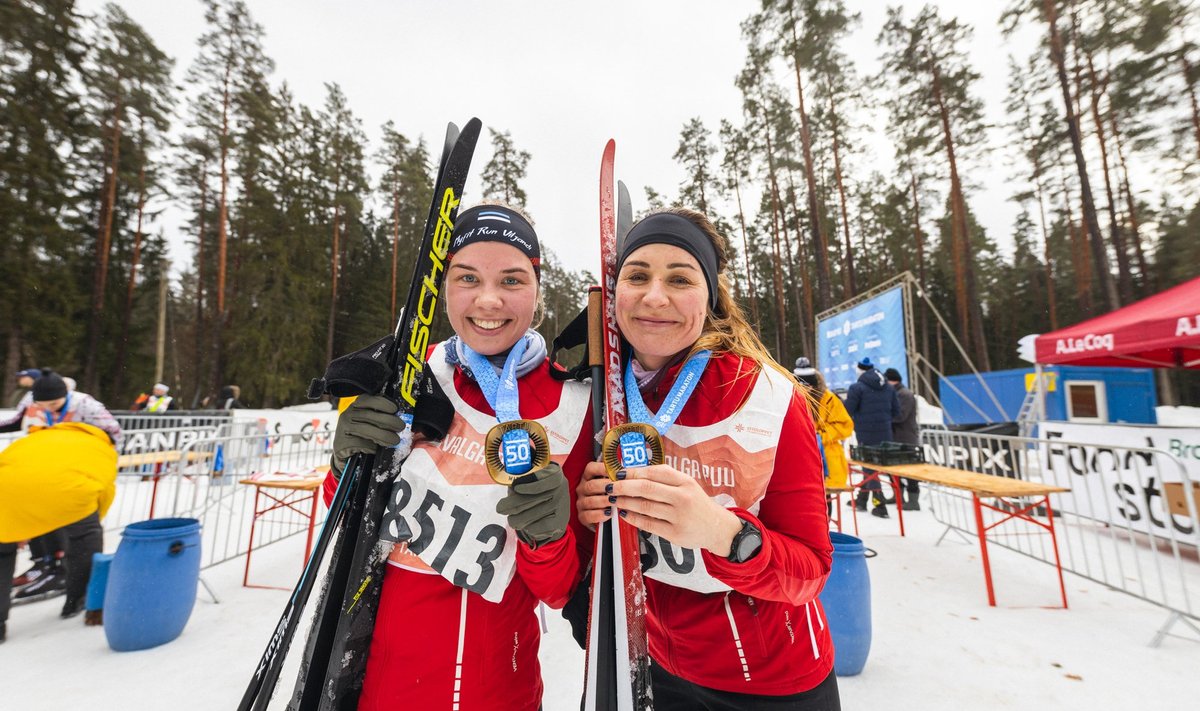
{"x":491,"y":296}
{"x":662,"y":300}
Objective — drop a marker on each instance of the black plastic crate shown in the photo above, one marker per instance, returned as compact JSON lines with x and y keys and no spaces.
{"x":886,"y":453}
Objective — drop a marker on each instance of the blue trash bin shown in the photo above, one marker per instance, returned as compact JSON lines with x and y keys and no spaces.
{"x":152,"y":583}
{"x":847,"y":602}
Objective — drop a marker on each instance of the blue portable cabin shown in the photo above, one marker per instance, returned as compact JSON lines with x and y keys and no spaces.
{"x":1073,"y":394}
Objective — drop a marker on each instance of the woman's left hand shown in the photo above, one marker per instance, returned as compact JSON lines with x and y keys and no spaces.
{"x":662,"y":500}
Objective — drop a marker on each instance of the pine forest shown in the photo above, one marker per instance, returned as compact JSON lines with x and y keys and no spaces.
{"x":301,"y":231}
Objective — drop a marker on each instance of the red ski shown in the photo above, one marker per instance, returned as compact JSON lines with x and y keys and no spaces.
{"x":618,"y":659}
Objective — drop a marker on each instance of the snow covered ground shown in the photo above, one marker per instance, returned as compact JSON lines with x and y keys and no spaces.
{"x":936,"y":643}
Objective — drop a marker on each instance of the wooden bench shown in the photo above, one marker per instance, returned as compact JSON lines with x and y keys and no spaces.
{"x":1014,"y":497}
{"x":141,"y":459}
{"x":157,"y":460}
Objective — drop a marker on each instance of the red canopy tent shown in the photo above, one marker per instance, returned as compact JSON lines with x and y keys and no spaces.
{"x":1161,"y":331}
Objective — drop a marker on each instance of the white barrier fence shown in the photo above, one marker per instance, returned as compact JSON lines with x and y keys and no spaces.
{"x":201,"y":480}
{"x":1114,"y":526}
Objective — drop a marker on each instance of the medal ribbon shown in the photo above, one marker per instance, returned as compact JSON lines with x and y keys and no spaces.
{"x":501,"y":393}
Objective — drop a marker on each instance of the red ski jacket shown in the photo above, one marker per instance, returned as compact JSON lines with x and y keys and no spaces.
{"x":755,"y":627}
{"x":437,"y":645}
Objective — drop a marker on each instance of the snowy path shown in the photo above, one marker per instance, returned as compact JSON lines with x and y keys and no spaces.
{"x":936,"y":645}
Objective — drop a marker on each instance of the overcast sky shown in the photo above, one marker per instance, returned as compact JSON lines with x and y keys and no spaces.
{"x":563,"y":77}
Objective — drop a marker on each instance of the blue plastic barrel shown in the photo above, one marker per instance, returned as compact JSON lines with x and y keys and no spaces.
{"x":847,"y":602}
{"x":152,"y":583}
{"x":101,"y":563}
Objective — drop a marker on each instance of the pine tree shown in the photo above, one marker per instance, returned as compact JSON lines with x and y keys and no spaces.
{"x":926,"y":67}
{"x":503,"y":174}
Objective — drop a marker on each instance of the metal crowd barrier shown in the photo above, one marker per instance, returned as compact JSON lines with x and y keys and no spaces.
{"x":1114,"y":526}
{"x":201,"y":480}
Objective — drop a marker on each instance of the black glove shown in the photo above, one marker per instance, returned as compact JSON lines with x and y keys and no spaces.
{"x":538,"y":505}
{"x":368,"y":424}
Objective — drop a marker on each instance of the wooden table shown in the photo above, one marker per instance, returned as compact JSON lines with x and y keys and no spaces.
{"x":282,"y":494}
{"x":1014,"y":496}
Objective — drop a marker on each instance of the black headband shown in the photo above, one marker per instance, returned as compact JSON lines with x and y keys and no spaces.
{"x":494,"y":223}
{"x":677,"y":231}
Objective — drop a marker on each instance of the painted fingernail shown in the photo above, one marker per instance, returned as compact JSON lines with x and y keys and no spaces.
{"x":622,"y":513}
{"x":608,"y":488}
{"x":621,"y":475}
{"x":612,"y":499}
{"x":608,"y":512}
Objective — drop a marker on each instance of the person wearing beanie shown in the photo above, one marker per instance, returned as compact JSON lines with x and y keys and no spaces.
{"x":157,"y":401}
{"x":54,"y":403}
{"x":735,"y":516}
{"x":906,"y":430}
{"x":470,"y":591}
{"x":873,"y":406}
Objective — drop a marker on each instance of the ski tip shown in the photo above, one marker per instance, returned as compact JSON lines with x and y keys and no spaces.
{"x":610,"y":149}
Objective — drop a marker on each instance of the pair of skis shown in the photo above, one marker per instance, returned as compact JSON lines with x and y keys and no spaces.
{"x":618,"y":661}
{"x":334,"y":661}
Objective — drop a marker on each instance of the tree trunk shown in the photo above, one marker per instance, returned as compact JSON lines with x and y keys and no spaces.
{"x":395,"y":246}
{"x":818,"y":234}
{"x":127,"y":314}
{"x":919,"y":238}
{"x":1124,"y":278}
{"x":197,"y":360}
{"x":222,"y":235}
{"x":848,"y":278}
{"x":333,"y":295}
{"x":1107,"y":287}
{"x":1131,"y":208}
{"x":103,"y":249}
{"x":781,"y":338}
{"x":970,"y":312}
{"x":737,"y":191}
{"x":805,"y":306}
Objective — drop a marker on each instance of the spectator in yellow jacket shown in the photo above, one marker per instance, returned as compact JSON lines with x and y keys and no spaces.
{"x":833,"y":422}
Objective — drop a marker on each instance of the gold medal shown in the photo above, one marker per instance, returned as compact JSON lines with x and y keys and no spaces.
{"x":538,"y":453}
{"x":611,"y":453}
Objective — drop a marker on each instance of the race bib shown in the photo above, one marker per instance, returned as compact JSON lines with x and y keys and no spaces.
{"x":453,"y":531}
{"x":681,"y":567}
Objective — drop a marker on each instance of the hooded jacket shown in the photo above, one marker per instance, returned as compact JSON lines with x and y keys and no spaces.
{"x":873,"y":405}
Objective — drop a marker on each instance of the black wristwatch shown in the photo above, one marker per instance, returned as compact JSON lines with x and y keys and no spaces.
{"x":746,"y":543}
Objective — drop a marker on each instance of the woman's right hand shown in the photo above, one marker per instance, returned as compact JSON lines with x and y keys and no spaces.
{"x":591,"y":498}
{"x":369,"y":423}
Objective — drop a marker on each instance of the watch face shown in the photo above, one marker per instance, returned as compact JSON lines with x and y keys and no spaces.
{"x":747,"y":543}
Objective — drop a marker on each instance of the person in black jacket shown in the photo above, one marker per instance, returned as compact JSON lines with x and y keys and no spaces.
{"x":905,"y":429}
{"x":873,"y":405}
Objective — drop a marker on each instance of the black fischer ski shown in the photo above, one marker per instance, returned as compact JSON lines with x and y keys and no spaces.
{"x":365,"y":485}
{"x":335,"y":670}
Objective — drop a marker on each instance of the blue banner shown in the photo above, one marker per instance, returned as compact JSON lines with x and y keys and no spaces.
{"x":874,"y":329}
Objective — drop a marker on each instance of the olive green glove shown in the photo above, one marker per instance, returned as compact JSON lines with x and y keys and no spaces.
{"x":538,"y":505}
{"x":368,"y":424}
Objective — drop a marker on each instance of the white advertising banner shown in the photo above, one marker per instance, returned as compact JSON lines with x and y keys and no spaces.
{"x":1110,"y":483}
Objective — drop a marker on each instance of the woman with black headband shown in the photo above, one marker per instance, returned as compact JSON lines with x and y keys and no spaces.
{"x":736,"y":534}
{"x":456,"y":626}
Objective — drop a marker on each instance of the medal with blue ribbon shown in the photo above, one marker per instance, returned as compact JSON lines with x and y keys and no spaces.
{"x":514,"y":447}
{"x":638,"y":443}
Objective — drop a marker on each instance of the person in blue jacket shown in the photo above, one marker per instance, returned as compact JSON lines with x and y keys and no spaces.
{"x":872,"y":404}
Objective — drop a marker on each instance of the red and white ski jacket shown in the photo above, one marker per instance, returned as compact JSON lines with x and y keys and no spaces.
{"x":467,"y":638}
{"x":755,"y":627}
